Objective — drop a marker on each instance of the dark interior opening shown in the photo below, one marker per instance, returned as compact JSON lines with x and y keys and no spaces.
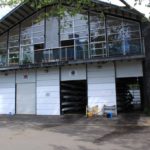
{"x":38,"y":52}
{"x":73,"y":97}
{"x":67,"y":51}
{"x":67,"y":43}
{"x":129,"y":94}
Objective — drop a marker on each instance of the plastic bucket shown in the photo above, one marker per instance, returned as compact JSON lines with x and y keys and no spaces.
{"x":109,"y":115}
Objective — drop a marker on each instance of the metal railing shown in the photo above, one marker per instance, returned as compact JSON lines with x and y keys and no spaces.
{"x":79,"y":52}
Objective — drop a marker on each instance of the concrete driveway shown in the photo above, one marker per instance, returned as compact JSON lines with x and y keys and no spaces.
{"x":74,"y":133}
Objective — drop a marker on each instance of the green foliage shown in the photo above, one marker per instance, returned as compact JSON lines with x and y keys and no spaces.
{"x":57,"y":6}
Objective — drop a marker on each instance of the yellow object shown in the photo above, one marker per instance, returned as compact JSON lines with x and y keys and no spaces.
{"x":93,"y":111}
{"x":89,"y":114}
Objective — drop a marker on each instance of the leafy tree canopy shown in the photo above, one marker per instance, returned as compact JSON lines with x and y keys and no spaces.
{"x":58,"y":9}
{"x":57,"y":6}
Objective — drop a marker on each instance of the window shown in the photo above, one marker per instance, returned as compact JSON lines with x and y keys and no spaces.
{"x":97,"y":35}
{"x":13,"y":46}
{"x":75,"y":29}
{"x":132,"y":37}
{"x":38,"y":53}
{"x":123,"y":36}
{"x":32,"y":33}
{"x":115,"y":35}
{"x":3,"y":49}
{"x":67,"y":51}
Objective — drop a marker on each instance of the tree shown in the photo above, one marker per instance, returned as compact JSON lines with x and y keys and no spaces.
{"x":58,"y":8}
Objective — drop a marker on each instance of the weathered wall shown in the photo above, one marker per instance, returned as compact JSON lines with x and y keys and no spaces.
{"x":129,"y":69}
{"x":79,"y":72}
{"x":48,"y":92}
{"x":101,"y":85}
{"x":7,"y":93}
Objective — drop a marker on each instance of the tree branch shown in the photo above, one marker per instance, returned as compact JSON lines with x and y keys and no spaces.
{"x":125,"y":3}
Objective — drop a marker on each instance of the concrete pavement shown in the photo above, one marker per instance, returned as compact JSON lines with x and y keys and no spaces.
{"x":74,"y":133}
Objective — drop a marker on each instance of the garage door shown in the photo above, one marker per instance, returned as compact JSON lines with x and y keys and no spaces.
{"x":25,"y":98}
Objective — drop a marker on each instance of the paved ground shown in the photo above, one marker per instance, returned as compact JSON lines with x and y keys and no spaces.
{"x":74,"y":133}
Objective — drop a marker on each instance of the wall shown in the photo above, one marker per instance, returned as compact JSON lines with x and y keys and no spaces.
{"x":48,"y":92}
{"x":52,"y":30}
{"x":129,"y":69}
{"x":25,"y":76}
{"x":100,"y":78}
{"x":79,"y":72}
{"x":101,"y":85}
{"x":7,"y":93}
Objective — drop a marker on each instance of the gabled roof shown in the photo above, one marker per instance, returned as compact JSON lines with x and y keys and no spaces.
{"x":15,"y":16}
{"x":24,"y":10}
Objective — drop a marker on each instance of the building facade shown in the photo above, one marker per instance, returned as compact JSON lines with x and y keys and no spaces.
{"x":60,"y":66}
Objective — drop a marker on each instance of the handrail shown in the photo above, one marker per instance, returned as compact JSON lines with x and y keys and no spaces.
{"x":74,"y":52}
{"x":62,"y":47}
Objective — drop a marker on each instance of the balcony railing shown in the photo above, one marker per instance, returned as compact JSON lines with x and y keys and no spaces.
{"x":73,"y":53}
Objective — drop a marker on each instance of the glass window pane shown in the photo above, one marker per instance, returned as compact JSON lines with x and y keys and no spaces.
{"x":27,"y":52}
{"x":115,"y":30}
{"x":80,"y":34}
{"x":3,"y":49}
{"x":14,"y":43}
{"x":115,"y":37}
{"x":98,"y":35}
{"x":97,"y":39}
{"x":123,"y":36}
{"x":14,"y":49}
{"x":131,"y":35}
{"x":38,"y":29}
{"x":70,"y":53}
{"x":39,"y":40}
{"x":97,"y":32}
{"x":97,"y":52}
{"x":130,"y":22}
{"x":26,"y":42}
{"x":114,"y":21}
{"x":98,"y":45}
{"x":14,"y":58}
{"x":26,"y":36}
{"x":96,"y":21}
{"x":81,"y":41}
{"x":133,"y":47}
{"x":32,"y":30}
{"x":116,"y":48}
{"x":66,"y":30}
{"x":81,"y":28}
{"x":131,"y":28}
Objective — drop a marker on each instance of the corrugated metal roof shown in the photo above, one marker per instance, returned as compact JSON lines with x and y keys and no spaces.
{"x":15,"y":16}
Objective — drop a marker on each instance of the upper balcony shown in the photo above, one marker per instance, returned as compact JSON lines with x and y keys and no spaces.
{"x":79,"y":39}
{"x":76,"y":54}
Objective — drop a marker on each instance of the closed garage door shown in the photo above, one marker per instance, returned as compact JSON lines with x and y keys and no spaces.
{"x":25,"y":98}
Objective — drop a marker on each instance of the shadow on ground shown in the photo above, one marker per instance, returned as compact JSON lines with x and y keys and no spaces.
{"x":97,"y":131}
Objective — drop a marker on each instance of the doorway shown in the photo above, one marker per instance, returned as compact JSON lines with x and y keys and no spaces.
{"x":73,"y":97}
{"x":38,"y":53}
{"x":67,"y":51}
{"x":129,"y":94}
